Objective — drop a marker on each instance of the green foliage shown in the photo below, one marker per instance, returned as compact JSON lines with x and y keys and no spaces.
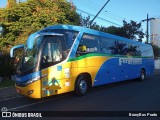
{"x":25,"y":18}
{"x":7,"y":68}
{"x":11,"y":3}
{"x":86,"y":22}
{"x":132,"y":30}
{"x":156,"y":51}
{"x":112,"y":30}
{"x":7,"y":83}
{"x":20,"y":20}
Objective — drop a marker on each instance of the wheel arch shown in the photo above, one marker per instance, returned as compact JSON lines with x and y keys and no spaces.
{"x":141,"y":76}
{"x":143,"y":68}
{"x":89,"y":79}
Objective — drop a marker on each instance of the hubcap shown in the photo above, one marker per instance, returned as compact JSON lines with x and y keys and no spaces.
{"x":83,"y":86}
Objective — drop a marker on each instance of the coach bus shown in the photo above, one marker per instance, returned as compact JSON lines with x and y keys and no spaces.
{"x":64,"y":58}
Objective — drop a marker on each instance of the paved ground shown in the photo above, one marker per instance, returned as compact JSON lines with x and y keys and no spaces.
{"x":123,"y":96}
{"x":8,"y":92}
{"x":157,"y":71}
{"x":11,"y":92}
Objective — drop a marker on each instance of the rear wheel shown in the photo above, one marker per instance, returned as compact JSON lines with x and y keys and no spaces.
{"x":142,"y":75}
{"x":81,"y":86}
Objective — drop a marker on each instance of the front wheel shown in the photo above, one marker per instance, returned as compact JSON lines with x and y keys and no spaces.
{"x":142,"y":75}
{"x":81,"y":86}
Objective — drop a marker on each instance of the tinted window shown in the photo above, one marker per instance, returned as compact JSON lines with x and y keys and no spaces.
{"x":117,"y":47}
{"x":107,"y":45}
{"x":146,"y":51}
{"x":111,"y":46}
{"x":69,"y":35}
{"x":133,"y":50}
{"x":30,"y":58}
{"x":89,"y":44}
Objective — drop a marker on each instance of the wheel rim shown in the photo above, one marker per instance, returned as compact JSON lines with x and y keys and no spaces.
{"x":83,"y":86}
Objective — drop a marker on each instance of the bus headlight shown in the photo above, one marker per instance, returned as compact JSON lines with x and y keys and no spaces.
{"x":30,"y":92}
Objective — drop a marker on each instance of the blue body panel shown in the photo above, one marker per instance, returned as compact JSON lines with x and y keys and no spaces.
{"x":14,"y":48}
{"x":111,"y":70}
{"x":25,"y":78}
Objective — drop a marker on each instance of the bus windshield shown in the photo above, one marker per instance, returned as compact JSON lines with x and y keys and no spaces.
{"x":49,"y":48}
{"x":30,"y":57}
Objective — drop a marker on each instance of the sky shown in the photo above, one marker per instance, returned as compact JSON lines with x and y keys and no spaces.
{"x":115,"y":11}
{"x":3,"y":3}
{"x":118,"y":10}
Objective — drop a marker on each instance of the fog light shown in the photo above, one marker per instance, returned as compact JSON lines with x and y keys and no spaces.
{"x":30,"y":92}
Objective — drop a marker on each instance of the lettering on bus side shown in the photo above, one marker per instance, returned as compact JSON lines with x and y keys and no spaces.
{"x":131,"y":61}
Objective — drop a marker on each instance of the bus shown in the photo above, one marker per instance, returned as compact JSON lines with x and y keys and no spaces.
{"x":65,"y":58}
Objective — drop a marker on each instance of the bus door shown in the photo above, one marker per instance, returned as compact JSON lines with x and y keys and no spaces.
{"x":51,"y":72}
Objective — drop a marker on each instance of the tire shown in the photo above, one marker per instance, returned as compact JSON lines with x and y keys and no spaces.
{"x":142,"y":75}
{"x":81,"y":86}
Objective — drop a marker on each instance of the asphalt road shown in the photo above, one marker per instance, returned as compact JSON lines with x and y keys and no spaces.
{"x":123,"y":96}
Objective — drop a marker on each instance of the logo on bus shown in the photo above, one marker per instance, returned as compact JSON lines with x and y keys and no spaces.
{"x":131,"y":61}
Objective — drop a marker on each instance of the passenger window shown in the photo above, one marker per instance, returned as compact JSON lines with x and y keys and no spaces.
{"x":120,"y":48}
{"x":111,"y":46}
{"x":88,"y":44}
{"x":133,"y":50}
{"x":107,"y":45}
{"x":138,"y":52}
{"x":146,"y":51}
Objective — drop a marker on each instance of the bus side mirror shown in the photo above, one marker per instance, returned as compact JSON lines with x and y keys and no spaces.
{"x":15,"y":48}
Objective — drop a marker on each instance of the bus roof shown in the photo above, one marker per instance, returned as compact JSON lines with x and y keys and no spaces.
{"x":91,"y":31}
{"x":80,"y":29}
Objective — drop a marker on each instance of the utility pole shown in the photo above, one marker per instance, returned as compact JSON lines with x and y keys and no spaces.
{"x":147,"y":20}
{"x":98,"y":12}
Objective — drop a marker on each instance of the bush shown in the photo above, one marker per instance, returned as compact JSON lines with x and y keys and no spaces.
{"x":6,"y":66}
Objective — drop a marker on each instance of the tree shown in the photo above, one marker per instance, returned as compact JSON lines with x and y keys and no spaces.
{"x":20,"y":20}
{"x":27,"y":17}
{"x":11,"y":3}
{"x":112,"y":30}
{"x":156,"y":51}
{"x":85,"y":21}
{"x":131,"y":30}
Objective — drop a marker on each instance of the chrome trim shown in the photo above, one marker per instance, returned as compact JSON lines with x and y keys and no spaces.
{"x":44,"y":75}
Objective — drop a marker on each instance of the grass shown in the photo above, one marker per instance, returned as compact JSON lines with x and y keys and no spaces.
{"x":7,"y":83}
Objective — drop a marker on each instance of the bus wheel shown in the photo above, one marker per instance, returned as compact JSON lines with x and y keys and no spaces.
{"x":142,"y":75}
{"x":81,"y":86}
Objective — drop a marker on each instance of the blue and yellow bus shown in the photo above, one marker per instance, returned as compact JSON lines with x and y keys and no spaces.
{"x":64,"y":58}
